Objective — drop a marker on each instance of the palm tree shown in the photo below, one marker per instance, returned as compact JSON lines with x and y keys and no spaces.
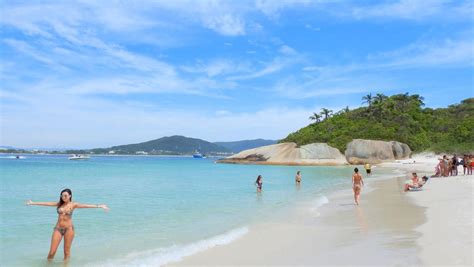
{"x":368,"y":99}
{"x":326,"y":112}
{"x":379,"y":98}
{"x":315,"y":117}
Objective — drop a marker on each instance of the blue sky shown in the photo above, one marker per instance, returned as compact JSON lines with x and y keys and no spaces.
{"x":100,"y":73}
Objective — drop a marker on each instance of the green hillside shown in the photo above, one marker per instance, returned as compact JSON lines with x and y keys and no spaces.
{"x":399,"y":117}
{"x":167,"y":145}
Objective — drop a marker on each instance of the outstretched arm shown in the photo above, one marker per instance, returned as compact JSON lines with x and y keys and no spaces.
{"x":91,"y":206}
{"x":49,"y":204}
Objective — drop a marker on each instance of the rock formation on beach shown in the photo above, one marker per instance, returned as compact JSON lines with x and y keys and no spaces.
{"x":360,"y":151}
{"x":289,"y":154}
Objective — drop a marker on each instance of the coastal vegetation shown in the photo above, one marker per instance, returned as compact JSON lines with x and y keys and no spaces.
{"x":400,"y":117}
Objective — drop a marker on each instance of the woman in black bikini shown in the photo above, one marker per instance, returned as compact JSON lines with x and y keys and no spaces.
{"x":259,"y":183}
{"x":64,"y":227}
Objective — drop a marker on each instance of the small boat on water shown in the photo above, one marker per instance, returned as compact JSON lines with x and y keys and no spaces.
{"x":198,"y":155}
{"x":78,"y":157}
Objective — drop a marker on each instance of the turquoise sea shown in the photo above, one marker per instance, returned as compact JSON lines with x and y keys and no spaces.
{"x":162,"y":208}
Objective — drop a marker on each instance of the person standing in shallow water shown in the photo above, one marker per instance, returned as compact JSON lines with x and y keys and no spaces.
{"x":298,"y":178}
{"x":259,"y":183}
{"x":357,"y":184}
{"x":64,"y":227}
{"x":368,"y":169}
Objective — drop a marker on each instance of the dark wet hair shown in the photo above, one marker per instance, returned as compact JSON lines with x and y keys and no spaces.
{"x":298,"y":172}
{"x":258,"y":178}
{"x":356,"y":170}
{"x":61,"y":202}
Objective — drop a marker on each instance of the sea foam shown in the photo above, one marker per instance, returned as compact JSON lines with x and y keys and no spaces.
{"x":175,"y":253}
{"x":317,"y":203}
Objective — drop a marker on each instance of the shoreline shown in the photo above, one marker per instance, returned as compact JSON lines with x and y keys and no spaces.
{"x":390,"y":227}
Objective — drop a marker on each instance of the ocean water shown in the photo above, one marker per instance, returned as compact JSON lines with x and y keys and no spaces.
{"x":162,"y":208}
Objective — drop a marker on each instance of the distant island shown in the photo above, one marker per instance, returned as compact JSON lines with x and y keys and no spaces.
{"x":170,"y":145}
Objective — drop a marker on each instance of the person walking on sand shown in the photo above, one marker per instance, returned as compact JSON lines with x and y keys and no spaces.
{"x":298,"y":178}
{"x":64,"y":227}
{"x":357,"y":184}
{"x":259,"y":183}
{"x":368,"y":169}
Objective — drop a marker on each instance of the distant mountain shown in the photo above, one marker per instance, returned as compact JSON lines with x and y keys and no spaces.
{"x":167,"y":145}
{"x":238,"y":146}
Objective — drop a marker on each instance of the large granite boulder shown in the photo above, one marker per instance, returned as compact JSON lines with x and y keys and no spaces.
{"x":289,"y":154}
{"x":360,"y":151}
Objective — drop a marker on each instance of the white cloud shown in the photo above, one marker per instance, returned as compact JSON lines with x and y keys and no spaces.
{"x":416,"y":10}
{"x":218,"y":67}
{"x":286,"y":50}
{"x":363,"y":76}
{"x":226,"y":24}
{"x":223,"y":113}
{"x":287,"y":57}
{"x":446,"y":53}
{"x":273,"y":8}
{"x":103,"y":123}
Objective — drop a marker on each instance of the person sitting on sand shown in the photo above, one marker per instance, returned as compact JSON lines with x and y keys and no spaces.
{"x":298,"y":177}
{"x":357,"y":184}
{"x":259,"y":183}
{"x":413,"y":183}
{"x":424,"y":179}
{"x":64,"y":227}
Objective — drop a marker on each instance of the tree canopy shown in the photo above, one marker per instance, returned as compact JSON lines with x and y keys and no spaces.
{"x":400,"y":117}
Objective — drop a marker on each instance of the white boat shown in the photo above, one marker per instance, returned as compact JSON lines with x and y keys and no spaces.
{"x":78,"y":157}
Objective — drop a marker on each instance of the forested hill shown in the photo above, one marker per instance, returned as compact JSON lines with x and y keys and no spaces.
{"x":168,"y":145}
{"x":401,"y":117}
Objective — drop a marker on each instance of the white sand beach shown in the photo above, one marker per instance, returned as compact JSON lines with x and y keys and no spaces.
{"x":390,"y":227}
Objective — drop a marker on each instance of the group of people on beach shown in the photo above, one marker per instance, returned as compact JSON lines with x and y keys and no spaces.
{"x":449,"y":166}
{"x":446,"y":167}
{"x":259,"y":181}
{"x":357,"y":182}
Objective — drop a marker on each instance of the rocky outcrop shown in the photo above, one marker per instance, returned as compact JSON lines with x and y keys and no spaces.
{"x":289,"y":154}
{"x":360,"y":151}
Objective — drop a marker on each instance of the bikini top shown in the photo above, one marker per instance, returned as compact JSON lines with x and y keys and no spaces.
{"x":62,"y":211}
